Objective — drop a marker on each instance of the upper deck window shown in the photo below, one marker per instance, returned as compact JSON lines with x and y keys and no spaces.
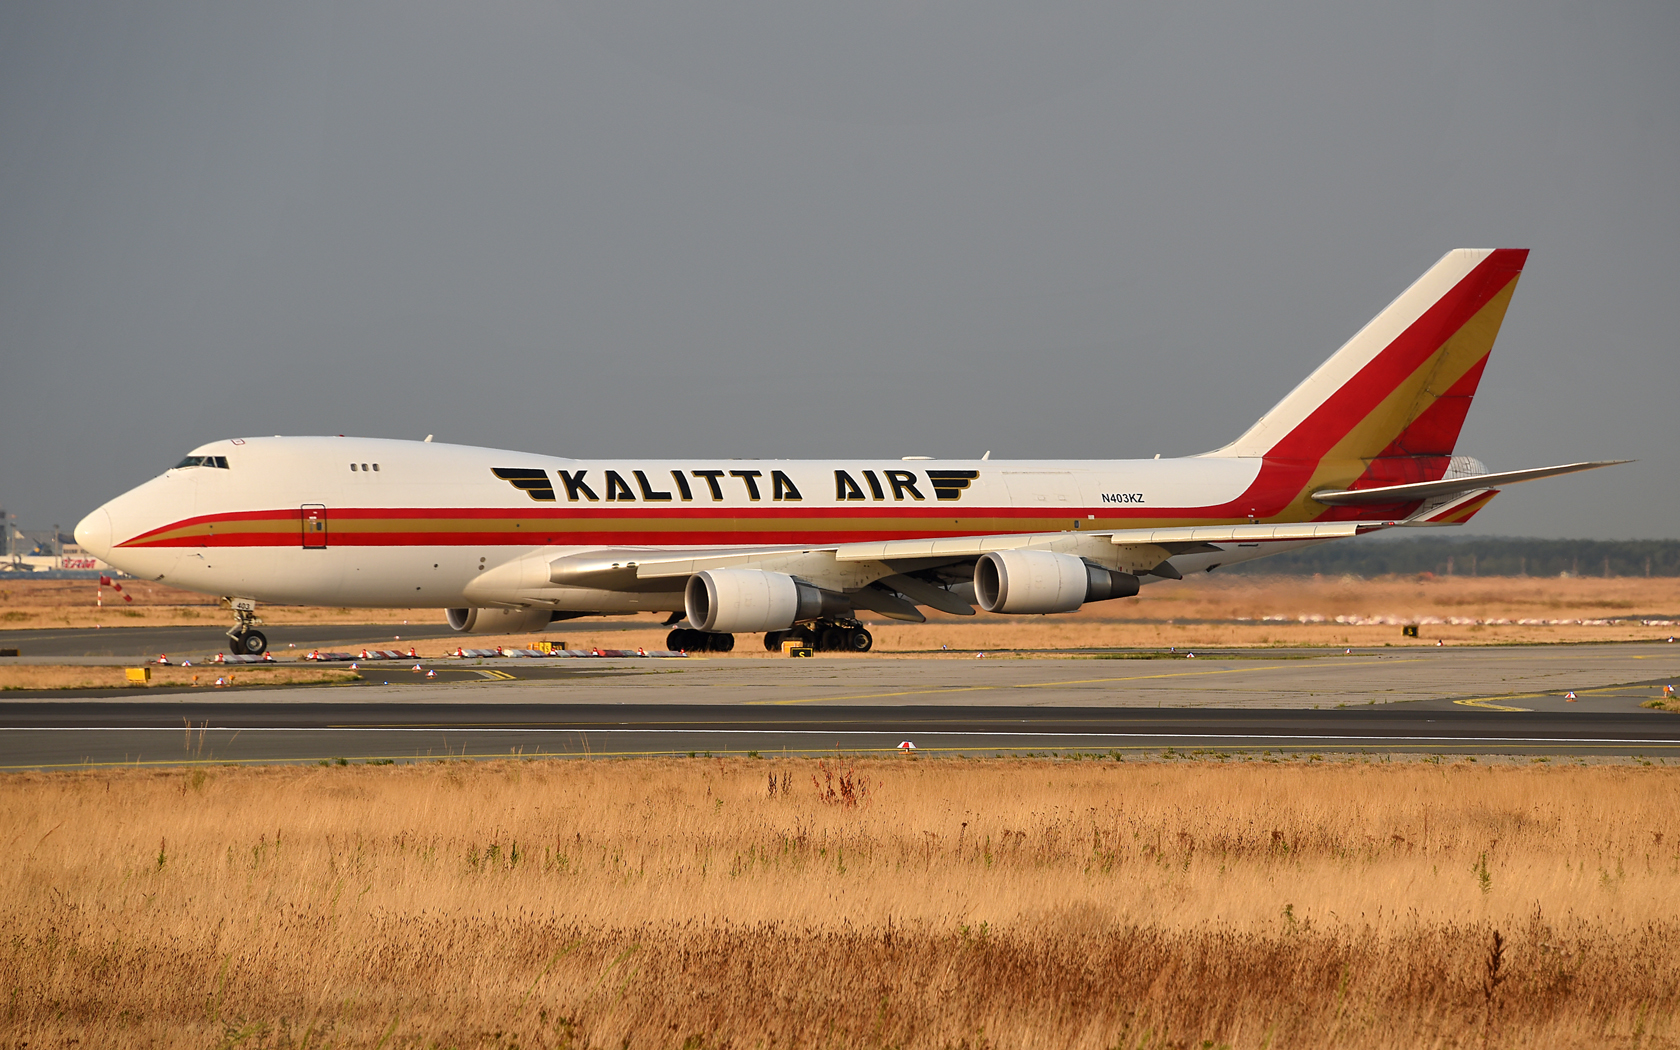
{"x":203,"y":461}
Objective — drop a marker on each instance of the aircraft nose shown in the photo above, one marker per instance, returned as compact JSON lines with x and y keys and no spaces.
{"x":94,"y":534}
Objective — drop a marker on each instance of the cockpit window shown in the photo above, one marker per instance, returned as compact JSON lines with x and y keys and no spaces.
{"x":203,"y":461}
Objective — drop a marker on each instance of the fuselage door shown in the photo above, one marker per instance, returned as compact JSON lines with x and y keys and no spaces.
{"x":1041,"y":488}
{"x":314,"y":526}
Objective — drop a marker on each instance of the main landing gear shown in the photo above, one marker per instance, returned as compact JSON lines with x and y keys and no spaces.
{"x":243,"y":637}
{"x":689,"y":640}
{"x":825,"y":636}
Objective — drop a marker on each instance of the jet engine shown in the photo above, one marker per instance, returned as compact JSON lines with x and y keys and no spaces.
{"x":724,"y":601}
{"x":498,"y":621}
{"x":1028,"y":581}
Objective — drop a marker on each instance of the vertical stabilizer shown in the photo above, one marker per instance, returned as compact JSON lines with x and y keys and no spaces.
{"x":1387,"y":407}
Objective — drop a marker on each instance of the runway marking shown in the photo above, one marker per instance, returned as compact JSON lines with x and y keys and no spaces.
{"x":1487,"y":704}
{"x":496,"y":676}
{"x":1042,"y":685}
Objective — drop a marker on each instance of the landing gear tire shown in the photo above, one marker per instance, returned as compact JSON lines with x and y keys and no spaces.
{"x":687,"y":640}
{"x":243,"y":637}
{"x":773,"y":640}
{"x":859,"y":640}
{"x":832,"y":639}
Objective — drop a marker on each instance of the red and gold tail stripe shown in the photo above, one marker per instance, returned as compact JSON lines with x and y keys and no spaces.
{"x":1463,"y":512}
{"x":1414,"y":392}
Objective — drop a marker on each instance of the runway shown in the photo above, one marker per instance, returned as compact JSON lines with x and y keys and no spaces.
{"x":1514,"y":700}
{"x":1248,"y":678}
{"x":53,"y":734}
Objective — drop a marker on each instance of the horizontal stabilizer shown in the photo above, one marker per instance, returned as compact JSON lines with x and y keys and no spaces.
{"x":1450,"y":510}
{"x":1449,"y":486}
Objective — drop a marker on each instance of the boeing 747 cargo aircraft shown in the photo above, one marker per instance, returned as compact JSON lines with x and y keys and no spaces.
{"x":512,"y":541}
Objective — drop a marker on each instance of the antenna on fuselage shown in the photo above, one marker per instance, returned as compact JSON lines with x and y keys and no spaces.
{"x":428,"y":440}
{"x":987,"y":456}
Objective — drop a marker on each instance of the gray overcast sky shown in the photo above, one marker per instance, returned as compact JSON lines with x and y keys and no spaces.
{"x":875,"y":228}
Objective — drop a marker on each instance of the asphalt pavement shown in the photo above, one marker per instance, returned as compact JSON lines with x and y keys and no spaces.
{"x":59,"y":734}
{"x":1538,"y":700}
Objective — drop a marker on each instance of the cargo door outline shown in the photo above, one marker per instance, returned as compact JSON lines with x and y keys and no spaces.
{"x":1041,"y":488}
{"x":314,"y":518}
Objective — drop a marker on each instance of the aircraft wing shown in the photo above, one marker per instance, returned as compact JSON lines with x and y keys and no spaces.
{"x":877,"y":575}
{"x":1451,"y":486}
{"x":1187,"y":537}
{"x":626,"y":568}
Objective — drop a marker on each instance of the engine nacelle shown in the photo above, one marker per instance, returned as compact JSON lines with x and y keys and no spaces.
{"x":1028,"y":581}
{"x":498,"y":621}
{"x":729,"y":600}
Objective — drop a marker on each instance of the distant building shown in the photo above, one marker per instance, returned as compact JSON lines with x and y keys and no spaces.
{"x":53,"y":553}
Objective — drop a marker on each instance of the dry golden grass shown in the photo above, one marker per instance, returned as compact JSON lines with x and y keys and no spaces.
{"x":71,"y":603}
{"x":1205,"y":611}
{"x":59,"y":676}
{"x":963,"y":638}
{"x":958,"y":903}
{"x":1232,"y":611}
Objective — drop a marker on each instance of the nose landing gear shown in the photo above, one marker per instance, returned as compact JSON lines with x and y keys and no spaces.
{"x":243,"y":637}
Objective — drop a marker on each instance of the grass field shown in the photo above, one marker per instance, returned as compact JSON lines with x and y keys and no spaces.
{"x":1256,"y":612}
{"x":74,"y":603}
{"x":915,"y":903}
{"x":59,"y":676}
{"x":1202,"y":611}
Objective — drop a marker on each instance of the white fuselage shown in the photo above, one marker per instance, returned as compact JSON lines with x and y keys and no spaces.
{"x":368,"y":522}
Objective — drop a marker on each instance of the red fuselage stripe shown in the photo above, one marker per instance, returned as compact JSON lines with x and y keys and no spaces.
{"x":631,"y":525}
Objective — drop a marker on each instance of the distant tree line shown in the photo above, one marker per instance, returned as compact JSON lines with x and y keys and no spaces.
{"x":1474,"y":556}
